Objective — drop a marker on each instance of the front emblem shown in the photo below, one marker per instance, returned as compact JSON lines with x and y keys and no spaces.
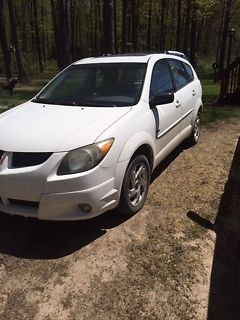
{"x":2,"y":157}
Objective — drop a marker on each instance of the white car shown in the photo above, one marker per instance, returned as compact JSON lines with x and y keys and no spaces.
{"x":89,"y":141}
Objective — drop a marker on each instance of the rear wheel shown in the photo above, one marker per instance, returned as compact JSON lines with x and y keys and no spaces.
{"x":194,"y":137}
{"x":135,"y":186}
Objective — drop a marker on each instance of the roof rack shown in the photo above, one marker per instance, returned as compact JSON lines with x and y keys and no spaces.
{"x":126,"y":54}
{"x":172,"y":52}
{"x":177,"y":53}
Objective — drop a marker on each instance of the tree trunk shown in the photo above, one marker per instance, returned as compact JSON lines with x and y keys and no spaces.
{"x":24,"y":26}
{"x":43,"y":33}
{"x":61,"y":26}
{"x":115,"y":27}
{"x":179,"y":24}
{"x":21,"y":70}
{"x":31,"y":21}
{"x":149,"y":28}
{"x":108,"y":27}
{"x":38,"y":42}
{"x":125,"y":27}
{"x":4,"y":44}
{"x":200,"y":33}
{"x":187,"y":23}
{"x":99,"y":27}
{"x":135,"y":24}
{"x":92,"y":28}
{"x":227,"y":14}
{"x":73,"y":29}
{"x":163,"y":25}
{"x":193,"y":35}
{"x":220,"y":36}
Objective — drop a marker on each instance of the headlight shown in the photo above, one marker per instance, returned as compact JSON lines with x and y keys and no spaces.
{"x":84,"y":158}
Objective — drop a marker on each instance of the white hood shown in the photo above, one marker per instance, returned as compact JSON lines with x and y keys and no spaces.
{"x":33,"y":127}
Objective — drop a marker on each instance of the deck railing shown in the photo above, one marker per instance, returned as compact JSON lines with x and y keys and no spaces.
{"x":230,"y":84}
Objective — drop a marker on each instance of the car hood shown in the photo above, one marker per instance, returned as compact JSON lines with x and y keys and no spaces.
{"x":34,"y":127}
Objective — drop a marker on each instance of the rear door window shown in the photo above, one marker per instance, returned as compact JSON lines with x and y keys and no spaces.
{"x":181,"y":76}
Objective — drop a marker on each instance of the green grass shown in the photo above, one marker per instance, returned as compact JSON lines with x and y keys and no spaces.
{"x":19,"y":97}
{"x":212,"y":110}
{"x":219,"y":113}
{"x":22,"y":93}
{"x":211,"y":89}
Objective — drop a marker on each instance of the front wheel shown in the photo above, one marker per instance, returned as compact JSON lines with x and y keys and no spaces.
{"x":135,"y":186}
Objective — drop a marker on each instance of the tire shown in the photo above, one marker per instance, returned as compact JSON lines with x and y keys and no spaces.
{"x":135,"y":186}
{"x":195,"y":135}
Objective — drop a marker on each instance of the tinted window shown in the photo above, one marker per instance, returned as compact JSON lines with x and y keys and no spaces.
{"x":161,"y":79}
{"x":179,"y":72}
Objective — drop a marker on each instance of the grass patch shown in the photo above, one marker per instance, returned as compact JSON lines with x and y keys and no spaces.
{"x":212,"y":111}
{"x":211,"y":90}
{"x":19,"y":97}
{"x":22,"y":93}
{"x":219,"y":113}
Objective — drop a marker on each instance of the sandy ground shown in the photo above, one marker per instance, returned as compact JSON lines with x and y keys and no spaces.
{"x":178,"y":258}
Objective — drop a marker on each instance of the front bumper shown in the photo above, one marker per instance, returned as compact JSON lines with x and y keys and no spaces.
{"x":37,"y":191}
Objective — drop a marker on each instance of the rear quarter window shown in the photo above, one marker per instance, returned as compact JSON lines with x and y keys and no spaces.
{"x":189,"y":71}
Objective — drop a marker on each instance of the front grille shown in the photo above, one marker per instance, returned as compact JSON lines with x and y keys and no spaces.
{"x":24,"y":203}
{"x":28,"y":159}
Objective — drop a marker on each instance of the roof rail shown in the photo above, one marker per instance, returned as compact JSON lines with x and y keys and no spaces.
{"x":177,"y":53}
{"x":172,"y":52}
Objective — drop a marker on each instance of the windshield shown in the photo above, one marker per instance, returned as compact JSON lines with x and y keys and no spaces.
{"x":105,"y":84}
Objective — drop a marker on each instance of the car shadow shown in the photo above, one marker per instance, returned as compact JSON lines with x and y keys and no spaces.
{"x":168,"y":160}
{"x":224,"y":294}
{"x":30,"y":238}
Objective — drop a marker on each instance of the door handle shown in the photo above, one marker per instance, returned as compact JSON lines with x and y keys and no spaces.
{"x":194,"y":93}
{"x":178,"y":104}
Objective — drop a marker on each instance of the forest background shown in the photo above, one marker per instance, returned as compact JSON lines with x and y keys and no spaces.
{"x":44,"y":36}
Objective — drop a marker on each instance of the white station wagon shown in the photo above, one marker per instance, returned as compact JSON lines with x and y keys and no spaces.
{"x":89,"y":141}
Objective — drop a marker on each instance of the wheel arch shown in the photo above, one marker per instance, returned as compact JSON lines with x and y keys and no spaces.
{"x":199,"y":107}
{"x":139,"y":144}
{"x":147,"y":151}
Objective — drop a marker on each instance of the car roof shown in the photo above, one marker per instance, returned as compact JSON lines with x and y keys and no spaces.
{"x":131,"y":57}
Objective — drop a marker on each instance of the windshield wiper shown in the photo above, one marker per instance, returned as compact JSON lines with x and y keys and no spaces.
{"x":78,"y":103}
{"x":82,"y":103}
{"x":52,"y":101}
{"x":36,"y":99}
{"x":39,"y":100}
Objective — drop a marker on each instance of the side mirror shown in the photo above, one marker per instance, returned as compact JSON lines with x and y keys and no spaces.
{"x":162,"y":98}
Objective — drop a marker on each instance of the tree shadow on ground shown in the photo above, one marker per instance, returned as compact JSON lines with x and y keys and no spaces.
{"x":30,"y":238}
{"x":224,"y":295}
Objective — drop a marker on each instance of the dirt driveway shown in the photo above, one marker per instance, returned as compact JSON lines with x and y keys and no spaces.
{"x":176,"y":259}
